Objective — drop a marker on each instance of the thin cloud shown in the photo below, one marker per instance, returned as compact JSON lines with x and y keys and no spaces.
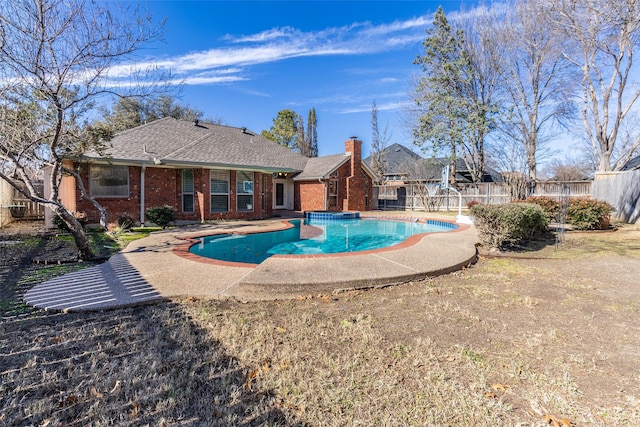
{"x":263,"y":36}
{"x":277,"y":44}
{"x":388,"y":80}
{"x":386,"y":106}
{"x":204,"y":80}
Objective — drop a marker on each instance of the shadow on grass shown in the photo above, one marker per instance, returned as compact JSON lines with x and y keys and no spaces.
{"x":532,"y":247}
{"x":18,"y":273}
{"x":148,"y":365}
{"x":144,"y":365}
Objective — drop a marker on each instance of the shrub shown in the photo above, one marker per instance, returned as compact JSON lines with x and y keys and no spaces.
{"x":472,"y":204}
{"x":125,"y":222}
{"x":511,"y":223}
{"x":549,"y":205}
{"x":62,"y":226}
{"x":588,"y":214}
{"x":162,"y":215}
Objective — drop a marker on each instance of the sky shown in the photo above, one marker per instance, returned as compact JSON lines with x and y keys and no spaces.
{"x":243,"y":61}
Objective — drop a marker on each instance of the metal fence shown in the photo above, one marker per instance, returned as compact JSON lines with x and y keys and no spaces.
{"x":429,"y":197}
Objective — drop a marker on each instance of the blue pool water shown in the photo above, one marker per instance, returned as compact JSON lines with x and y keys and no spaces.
{"x":322,"y":237}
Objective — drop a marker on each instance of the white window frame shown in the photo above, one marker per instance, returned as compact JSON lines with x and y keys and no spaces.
{"x":188,"y":192}
{"x":244,"y":191}
{"x":333,"y":197}
{"x":219,"y":174}
{"x":98,"y":173}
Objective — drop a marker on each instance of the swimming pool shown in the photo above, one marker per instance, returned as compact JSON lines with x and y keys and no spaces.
{"x":311,"y":237}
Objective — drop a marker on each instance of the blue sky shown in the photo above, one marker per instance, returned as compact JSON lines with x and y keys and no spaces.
{"x":244,"y":61}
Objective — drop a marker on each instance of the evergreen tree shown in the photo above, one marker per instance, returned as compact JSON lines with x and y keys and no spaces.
{"x":284,"y":129}
{"x":441,"y":92}
{"x":312,"y":133}
{"x":301,"y":141}
{"x":129,"y":112}
{"x":288,"y":131}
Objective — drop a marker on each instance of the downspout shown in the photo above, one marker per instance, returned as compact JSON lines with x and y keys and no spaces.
{"x":142,"y":170}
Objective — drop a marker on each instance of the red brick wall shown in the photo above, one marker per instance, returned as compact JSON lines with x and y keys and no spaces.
{"x":358,"y":184}
{"x":352,"y":188}
{"x":115,"y":206}
{"x":343,"y":173}
{"x":163,"y":186}
{"x":309,"y":196}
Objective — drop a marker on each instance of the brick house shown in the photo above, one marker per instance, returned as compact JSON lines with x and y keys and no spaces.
{"x":209,"y":172}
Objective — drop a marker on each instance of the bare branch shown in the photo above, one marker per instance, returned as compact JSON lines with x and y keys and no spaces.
{"x":58,"y":57}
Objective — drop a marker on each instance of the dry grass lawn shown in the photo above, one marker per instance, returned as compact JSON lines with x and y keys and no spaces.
{"x":548,"y":337}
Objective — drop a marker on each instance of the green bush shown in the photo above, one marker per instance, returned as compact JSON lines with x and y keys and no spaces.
{"x":62,"y":226}
{"x":550,"y":205}
{"x":588,"y":214}
{"x":507,"y":224}
{"x":162,"y":215}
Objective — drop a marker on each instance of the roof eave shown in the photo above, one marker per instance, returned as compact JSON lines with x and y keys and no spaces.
{"x":183,"y":164}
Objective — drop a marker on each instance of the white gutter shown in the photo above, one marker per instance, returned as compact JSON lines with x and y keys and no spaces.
{"x":142,"y":170}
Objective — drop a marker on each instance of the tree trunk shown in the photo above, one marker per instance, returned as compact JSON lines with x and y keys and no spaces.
{"x":79,"y":236}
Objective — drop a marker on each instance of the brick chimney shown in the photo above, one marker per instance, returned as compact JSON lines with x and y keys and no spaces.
{"x":354,"y":200}
{"x":353,"y":146}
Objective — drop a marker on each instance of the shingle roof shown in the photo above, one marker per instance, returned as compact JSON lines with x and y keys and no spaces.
{"x":400,"y":160}
{"x":181,"y":142}
{"x":395,"y":157}
{"x":321,"y":167}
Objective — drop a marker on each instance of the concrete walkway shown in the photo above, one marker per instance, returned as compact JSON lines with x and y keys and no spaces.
{"x":159,"y":267}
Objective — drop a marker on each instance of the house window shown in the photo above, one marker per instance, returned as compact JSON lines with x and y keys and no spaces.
{"x":109,"y":181}
{"x":333,"y":190}
{"x":366,"y":190}
{"x":244,"y":191}
{"x":219,"y":191}
{"x":187,"y":190}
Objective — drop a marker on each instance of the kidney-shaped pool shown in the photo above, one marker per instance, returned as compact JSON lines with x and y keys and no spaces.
{"x":312,"y":237}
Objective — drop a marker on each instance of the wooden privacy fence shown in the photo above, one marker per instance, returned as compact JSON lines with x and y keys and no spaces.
{"x":14,"y":206}
{"x":622,"y":191}
{"x":400,"y":196}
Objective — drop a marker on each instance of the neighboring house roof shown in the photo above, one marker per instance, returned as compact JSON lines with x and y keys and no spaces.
{"x":400,"y":160}
{"x":179,"y":142}
{"x":632,"y":164}
{"x":395,"y":158}
{"x":321,"y":167}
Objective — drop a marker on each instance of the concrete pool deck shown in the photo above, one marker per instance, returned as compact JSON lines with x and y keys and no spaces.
{"x":158,"y":267}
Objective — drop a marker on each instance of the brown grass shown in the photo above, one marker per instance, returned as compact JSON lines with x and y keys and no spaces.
{"x":507,"y":342}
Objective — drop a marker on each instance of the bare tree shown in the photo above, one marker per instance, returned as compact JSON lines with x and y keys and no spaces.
{"x":378,"y":145}
{"x":536,"y":81}
{"x":600,"y":39}
{"x":58,"y":58}
{"x":567,"y":169}
{"x":423,"y":177}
